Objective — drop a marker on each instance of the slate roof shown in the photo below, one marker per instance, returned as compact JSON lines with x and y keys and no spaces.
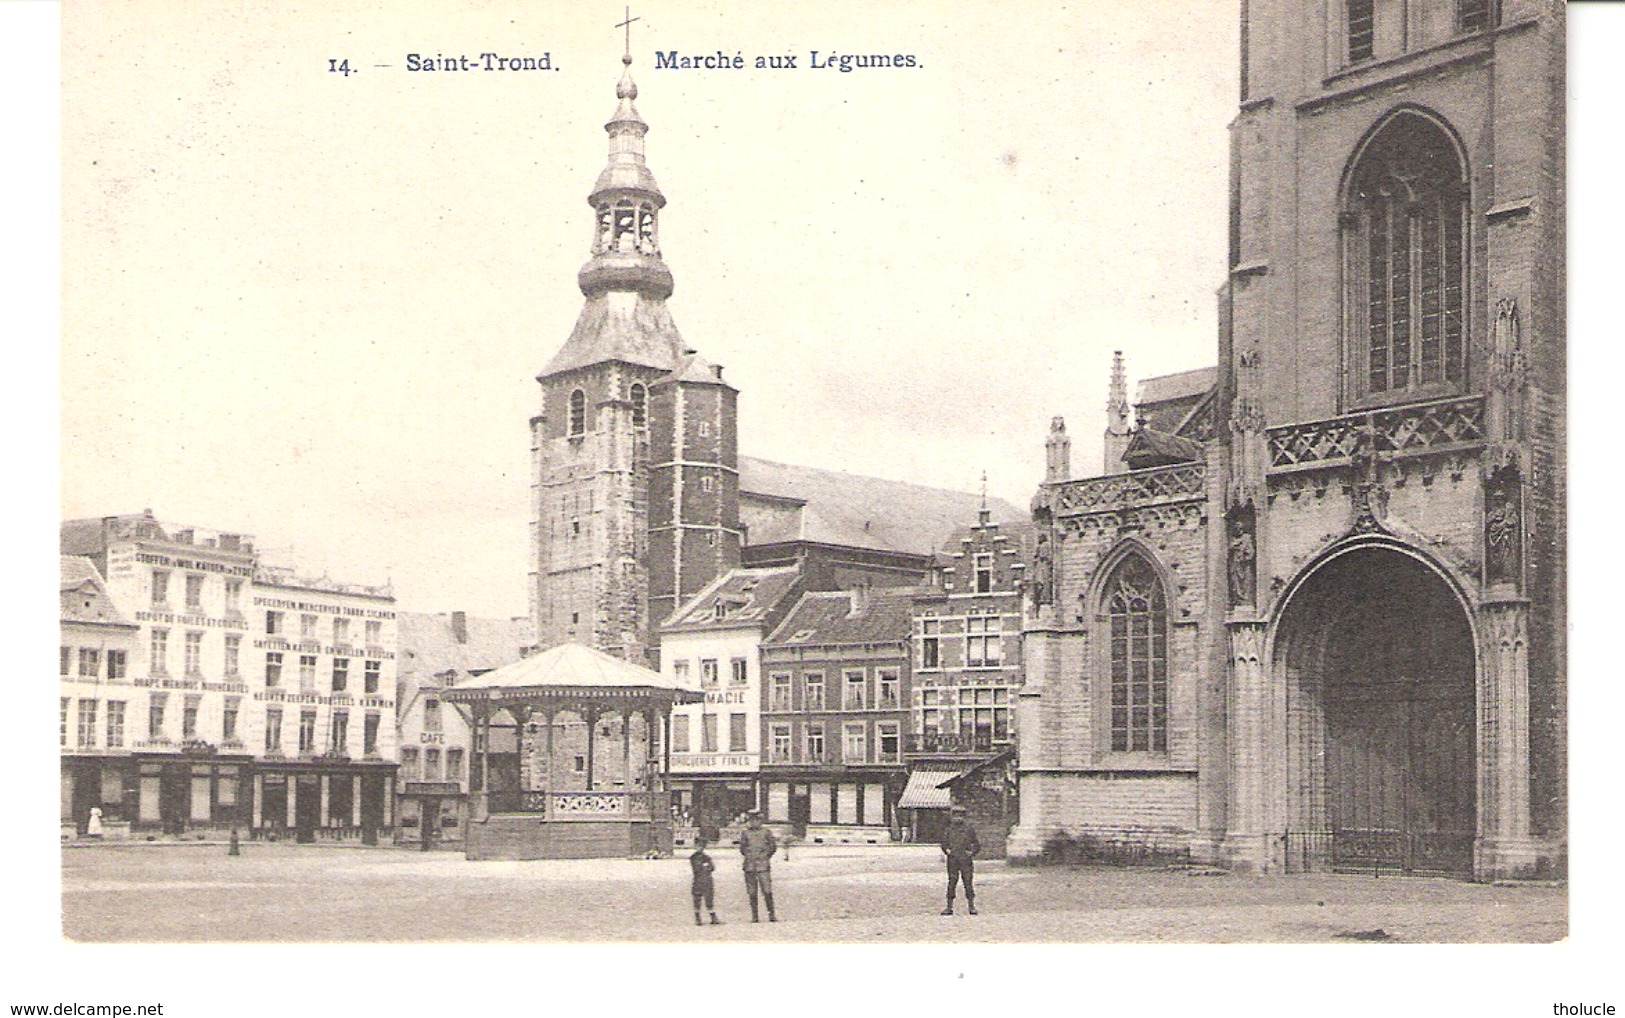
{"x":697,"y":369}
{"x":853,"y":511}
{"x":881,"y":615}
{"x":81,"y":537}
{"x":748,"y":597}
{"x":84,"y":597}
{"x":1150,"y":448}
{"x":1167,"y":400}
{"x":429,"y":645}
{"x":623,"y":327}
{"x":1180,"y":385}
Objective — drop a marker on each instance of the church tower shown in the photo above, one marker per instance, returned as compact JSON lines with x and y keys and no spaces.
{"x":625,"y":404}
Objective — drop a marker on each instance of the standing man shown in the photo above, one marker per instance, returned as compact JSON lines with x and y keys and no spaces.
{"x":757,"y":845}
{"x":959,"y":847}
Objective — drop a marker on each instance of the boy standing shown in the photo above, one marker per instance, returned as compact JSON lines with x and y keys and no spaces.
{"x":959,"y":848}
{"x":703,"y":889}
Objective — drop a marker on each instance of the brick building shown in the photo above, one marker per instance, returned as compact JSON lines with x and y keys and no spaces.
{"x":965,"y":650}
{"x":836,"y":713}
{"x":1320,"y":624}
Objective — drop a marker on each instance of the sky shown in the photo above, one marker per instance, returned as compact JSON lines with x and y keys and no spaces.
{"x":311,"y":306}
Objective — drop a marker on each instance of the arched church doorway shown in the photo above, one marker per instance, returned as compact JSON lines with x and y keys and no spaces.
{"x":1380,"y":687}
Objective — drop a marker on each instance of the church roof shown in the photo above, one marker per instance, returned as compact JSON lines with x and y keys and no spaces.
{"x":620,"y":326}
{"x":1179,"y":385}
{"x":853,"y":511}
{"x":84,"y":597}
{"x":1167,"y":400}
{"x":878,"y":615}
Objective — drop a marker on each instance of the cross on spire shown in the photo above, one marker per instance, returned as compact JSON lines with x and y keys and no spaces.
{"x":627,"y":24}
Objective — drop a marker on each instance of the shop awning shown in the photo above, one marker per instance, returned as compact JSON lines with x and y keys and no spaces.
{"x":922,"y":792}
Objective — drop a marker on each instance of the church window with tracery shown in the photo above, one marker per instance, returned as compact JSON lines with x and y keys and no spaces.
{"x":1405,"y":236}
{"x":1137,"y":609}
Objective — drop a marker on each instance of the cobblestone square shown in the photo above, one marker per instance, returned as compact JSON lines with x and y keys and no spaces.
{"x":285,"y":893}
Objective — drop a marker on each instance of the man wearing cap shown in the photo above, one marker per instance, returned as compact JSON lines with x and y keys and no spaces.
{"x":757,"y":845}
{"x":959,"y":847}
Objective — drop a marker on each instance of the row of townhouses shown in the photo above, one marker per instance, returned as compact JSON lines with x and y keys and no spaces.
{"x":203,"y":690}
{"x":850,"y":674}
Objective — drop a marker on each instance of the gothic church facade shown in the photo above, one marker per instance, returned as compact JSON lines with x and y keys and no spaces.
{"x":1313,"y":617}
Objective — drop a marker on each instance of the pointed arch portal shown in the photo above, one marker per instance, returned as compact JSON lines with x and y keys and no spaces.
{"x":1379,"y":666}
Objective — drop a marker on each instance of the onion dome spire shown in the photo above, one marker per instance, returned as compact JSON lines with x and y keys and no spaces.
{"x":626,"y":203}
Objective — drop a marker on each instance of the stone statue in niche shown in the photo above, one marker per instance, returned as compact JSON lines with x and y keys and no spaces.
{"x":1043,"y":576}
{"x":1243,"y":556}
{"x":1503,"y":529}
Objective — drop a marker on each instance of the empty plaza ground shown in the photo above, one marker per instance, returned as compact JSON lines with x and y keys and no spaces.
{"x":289,"y":893}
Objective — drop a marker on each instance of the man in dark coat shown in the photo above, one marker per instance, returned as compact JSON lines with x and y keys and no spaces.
{"x":959,"y":847}
{"x":757,"y":845}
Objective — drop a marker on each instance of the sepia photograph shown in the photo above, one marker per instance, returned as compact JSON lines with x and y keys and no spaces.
{"x":728,"y":474}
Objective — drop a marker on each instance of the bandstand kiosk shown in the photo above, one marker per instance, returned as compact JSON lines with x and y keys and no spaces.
{"x":553,"y":811}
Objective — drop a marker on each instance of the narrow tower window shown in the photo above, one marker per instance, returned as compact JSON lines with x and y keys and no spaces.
{"x":1361,"y":29}
{"x":578,"y":413}
{"x":625,"y":233}
{"x":1475,"y":15}
{"x":640,"y":406}
{"x":646,"y":229}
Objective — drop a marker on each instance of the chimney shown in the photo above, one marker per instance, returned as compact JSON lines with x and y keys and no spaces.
{"x":860,"y":598}
{"x":459,"y":626}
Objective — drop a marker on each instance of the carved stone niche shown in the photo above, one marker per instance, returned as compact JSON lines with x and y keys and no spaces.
{"x":1504,"y":529}
{"x":1042,"y":578}
{"x":1241,"y":534}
